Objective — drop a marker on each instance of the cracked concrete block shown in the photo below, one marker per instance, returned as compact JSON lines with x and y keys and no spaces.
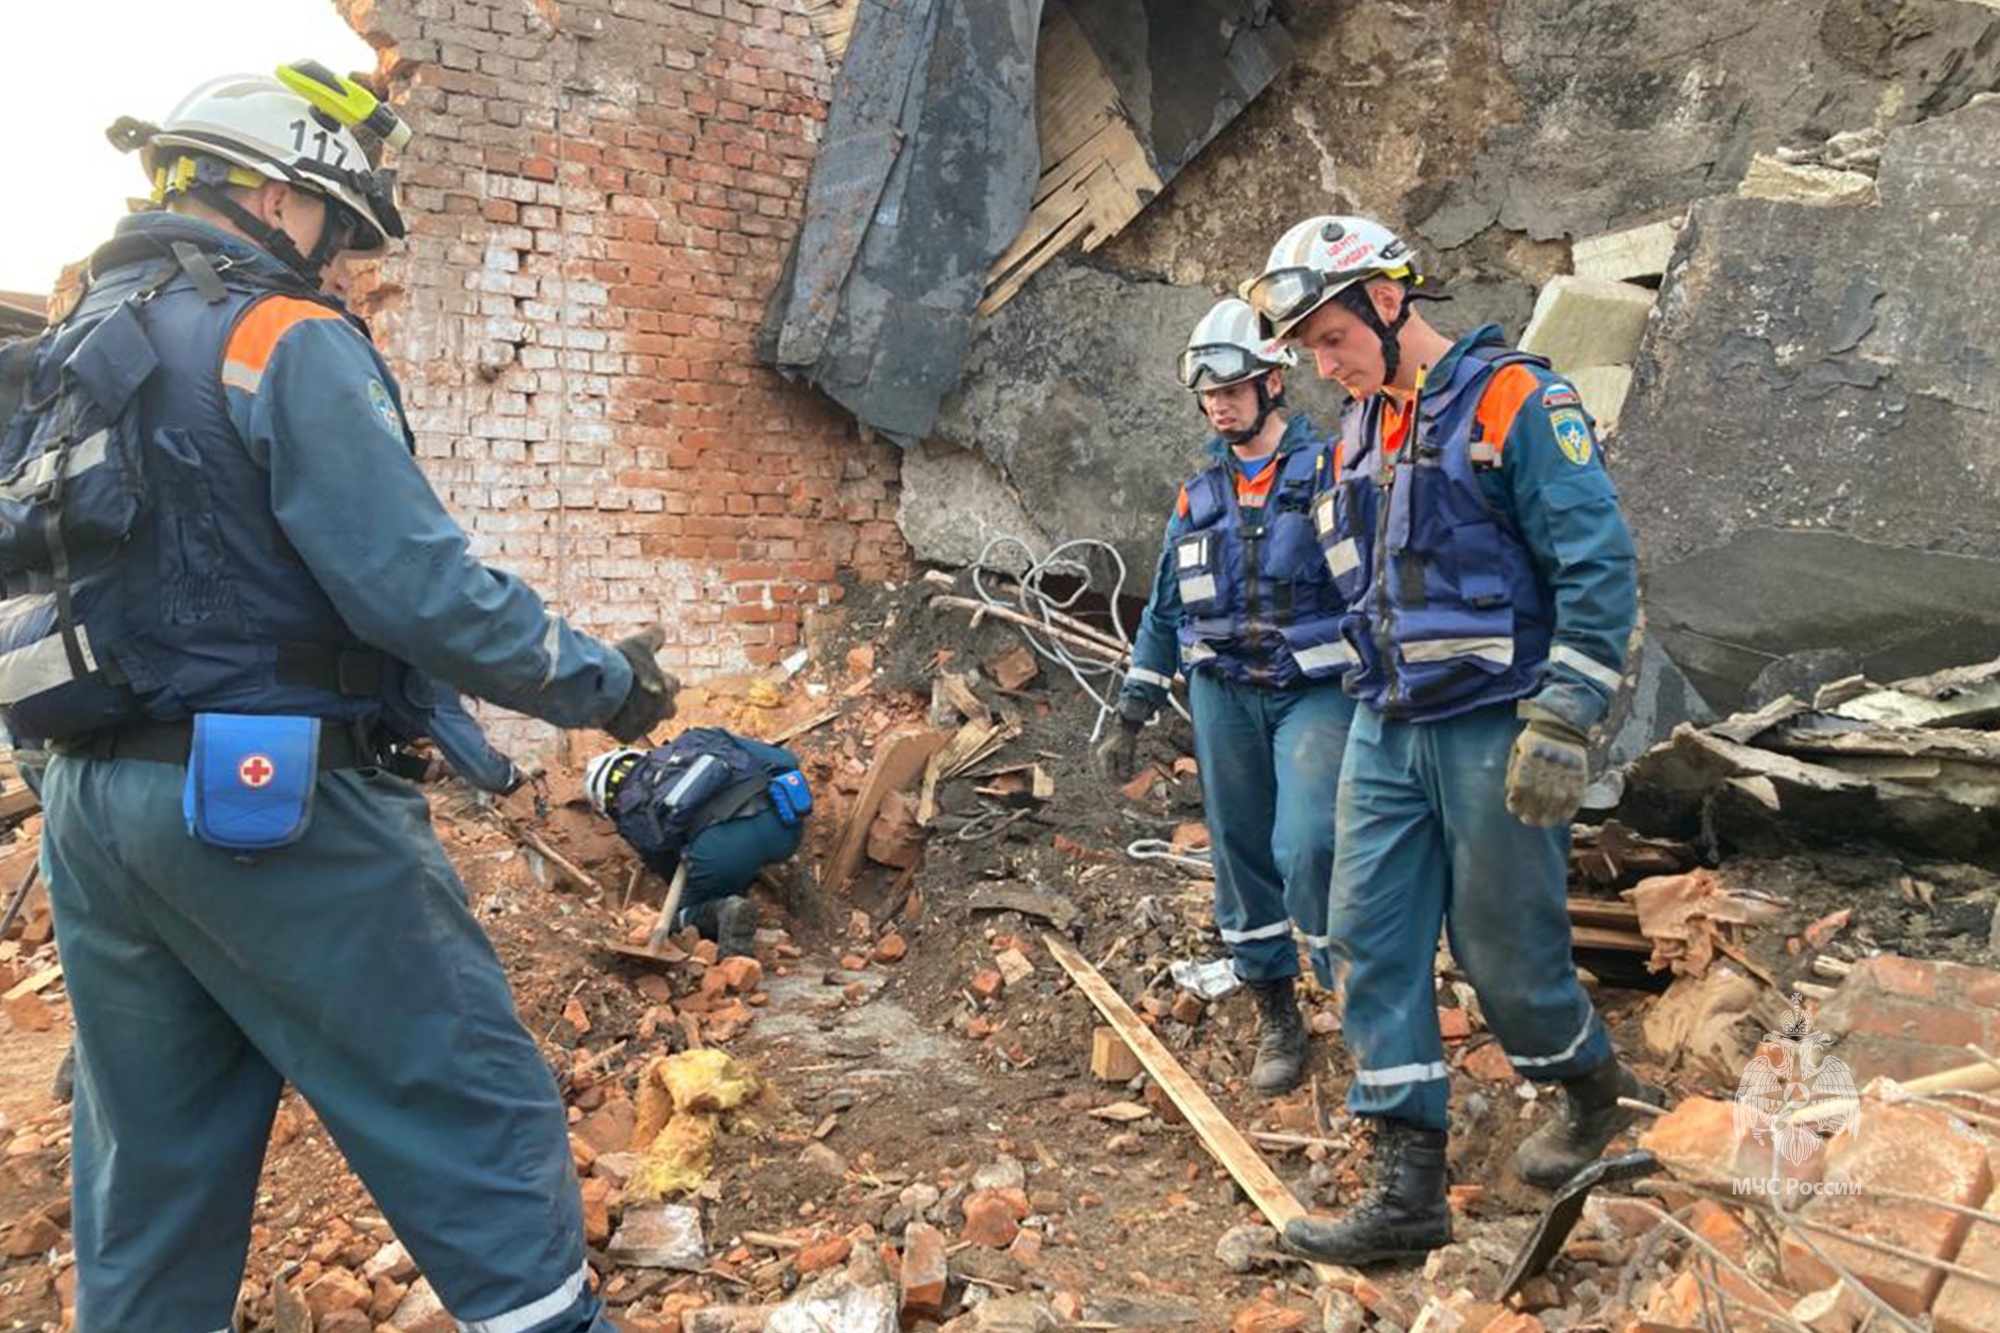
{"x":1603,"y":390}
{"x":1581,"y":322}
{"x":1804,"y":183}
{"x":1808,"y":457}
{"x":1620,"y":256}
{"x":955,"y":501}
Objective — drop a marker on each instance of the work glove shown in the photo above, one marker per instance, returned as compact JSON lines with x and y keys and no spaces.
{"x":650,"y":701}
{"x":1548,"y":769}
{"x":1117,"y":754}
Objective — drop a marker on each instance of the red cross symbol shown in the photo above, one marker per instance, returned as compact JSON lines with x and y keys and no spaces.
{"x":255,"y":771}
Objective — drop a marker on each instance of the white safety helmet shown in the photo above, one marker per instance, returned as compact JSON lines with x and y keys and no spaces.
{"x":245,"y":129}
{"x":1317,"y":260}
{"x":602,"y":775}
{"x":1226,"y":348}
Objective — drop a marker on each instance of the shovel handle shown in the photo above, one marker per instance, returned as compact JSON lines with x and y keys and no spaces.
{"x":669,"y":906}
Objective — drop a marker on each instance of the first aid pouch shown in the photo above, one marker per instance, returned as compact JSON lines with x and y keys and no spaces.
{"x":250,"y":780}
{"x":790,"y":796}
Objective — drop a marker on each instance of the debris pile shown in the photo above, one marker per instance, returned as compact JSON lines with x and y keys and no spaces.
{"x":1915,"y":765}
{"x":987,"y":1068}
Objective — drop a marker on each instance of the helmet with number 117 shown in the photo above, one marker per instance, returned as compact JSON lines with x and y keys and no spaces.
{"x":298,"y":128}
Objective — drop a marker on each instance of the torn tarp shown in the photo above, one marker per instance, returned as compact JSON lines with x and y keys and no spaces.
{"x":934,"y":168}
{"x":927,"y":171}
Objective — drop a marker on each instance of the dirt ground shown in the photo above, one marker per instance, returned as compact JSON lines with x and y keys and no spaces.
{"x":884,"y":1066}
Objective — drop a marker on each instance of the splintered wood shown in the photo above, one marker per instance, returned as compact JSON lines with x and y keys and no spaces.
{"x":1096,"y":175}
{"x":833,"y":23}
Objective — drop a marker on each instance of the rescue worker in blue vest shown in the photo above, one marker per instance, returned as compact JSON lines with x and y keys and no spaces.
{"x":1243,"y":603}
{"x":1475,"y":532}
{"x":724,"y":805}
{"x":226,"y":579}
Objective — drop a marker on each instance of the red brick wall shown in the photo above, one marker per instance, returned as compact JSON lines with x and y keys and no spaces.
{"x":600,"y":196}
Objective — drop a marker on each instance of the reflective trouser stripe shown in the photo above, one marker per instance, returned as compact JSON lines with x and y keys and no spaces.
{"x":524,"y":1317}
{"x":1145,"y":677}
{"x":1323,"y":656}
{"x":1318,"y":941}
{"x":1498,"y":651}
{"x":1397,"y":1075}
{"x":41,"y":665}
{"x":1566,"y":1053}
{"x":1343,"y":556}
{"x":1272,"y":931}
{"x":1588,"y":667}
{"x":1199,"y":588}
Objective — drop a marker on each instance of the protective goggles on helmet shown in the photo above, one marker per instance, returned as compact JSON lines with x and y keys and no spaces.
{"x":377,"y":188}
{"x":1214,"y":365}
{"x":1287,"y":294}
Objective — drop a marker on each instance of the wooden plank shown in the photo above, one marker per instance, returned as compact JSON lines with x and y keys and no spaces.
{"x":1603,"y":912}
{"x":1222,"y":1139}
{"x":1598,"y":937}
{"x":899,"y":762}
{"x":17,"y":805}
{"x":957,"y":755}
{"x":534,"y":841}
{"x":41,"y":980}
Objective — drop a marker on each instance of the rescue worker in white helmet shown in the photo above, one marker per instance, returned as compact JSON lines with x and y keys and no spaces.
{"x":1477,"y":537}
{"x":1243,"y":604}
{"x":236,"y":603}
{"x":717,"y":805}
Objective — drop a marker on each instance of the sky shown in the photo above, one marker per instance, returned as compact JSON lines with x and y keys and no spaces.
{"x":77,"y":65}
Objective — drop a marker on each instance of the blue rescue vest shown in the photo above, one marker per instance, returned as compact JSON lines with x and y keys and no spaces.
{"x":1257,"y":605}
{"x":701,"y":778}
{"x":144,"y":572}
{"x":1449,"y":613}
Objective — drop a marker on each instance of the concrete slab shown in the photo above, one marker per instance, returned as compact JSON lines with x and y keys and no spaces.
{"x":1603,"y":390}
{"x":1804,"y":183}
{"x":1620,"y":256}
{"x":1580,"y":322}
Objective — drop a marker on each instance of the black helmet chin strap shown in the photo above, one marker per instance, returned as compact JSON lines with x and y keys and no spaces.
{"x":1267,"y":403}
{"x":332,"y":236}
{"x":1355,"y":298}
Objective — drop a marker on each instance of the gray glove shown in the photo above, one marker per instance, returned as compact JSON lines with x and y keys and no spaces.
{"x":1117,"y":755}
{"x":1548,"y":768}
{"x":651,"y":698}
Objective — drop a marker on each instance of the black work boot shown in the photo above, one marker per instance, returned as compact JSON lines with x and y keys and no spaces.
{"x":1576,"y":1136}
{"x":736,"y":928}
{"x":731,"y":922}
{"x":1403,"y":1215}
{"x":1281,"y":1038}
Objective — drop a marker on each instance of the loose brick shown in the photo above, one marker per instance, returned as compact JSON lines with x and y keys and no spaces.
{"x":924,"y":1272}
{"x":990,"y":1220}
{"x":1490,"y":1063}
{"x":826,"y":1252}
{"x":1965,"y":1306}
{"x":1698,"y":1141}
{"x":1912,"y":1150}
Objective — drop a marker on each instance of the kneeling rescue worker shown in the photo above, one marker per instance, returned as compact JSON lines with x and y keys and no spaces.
{"x":230,"y":593}
{"x":723,"y":805}
{"x":1475,"y":532}
{"x":1243,"y":602}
